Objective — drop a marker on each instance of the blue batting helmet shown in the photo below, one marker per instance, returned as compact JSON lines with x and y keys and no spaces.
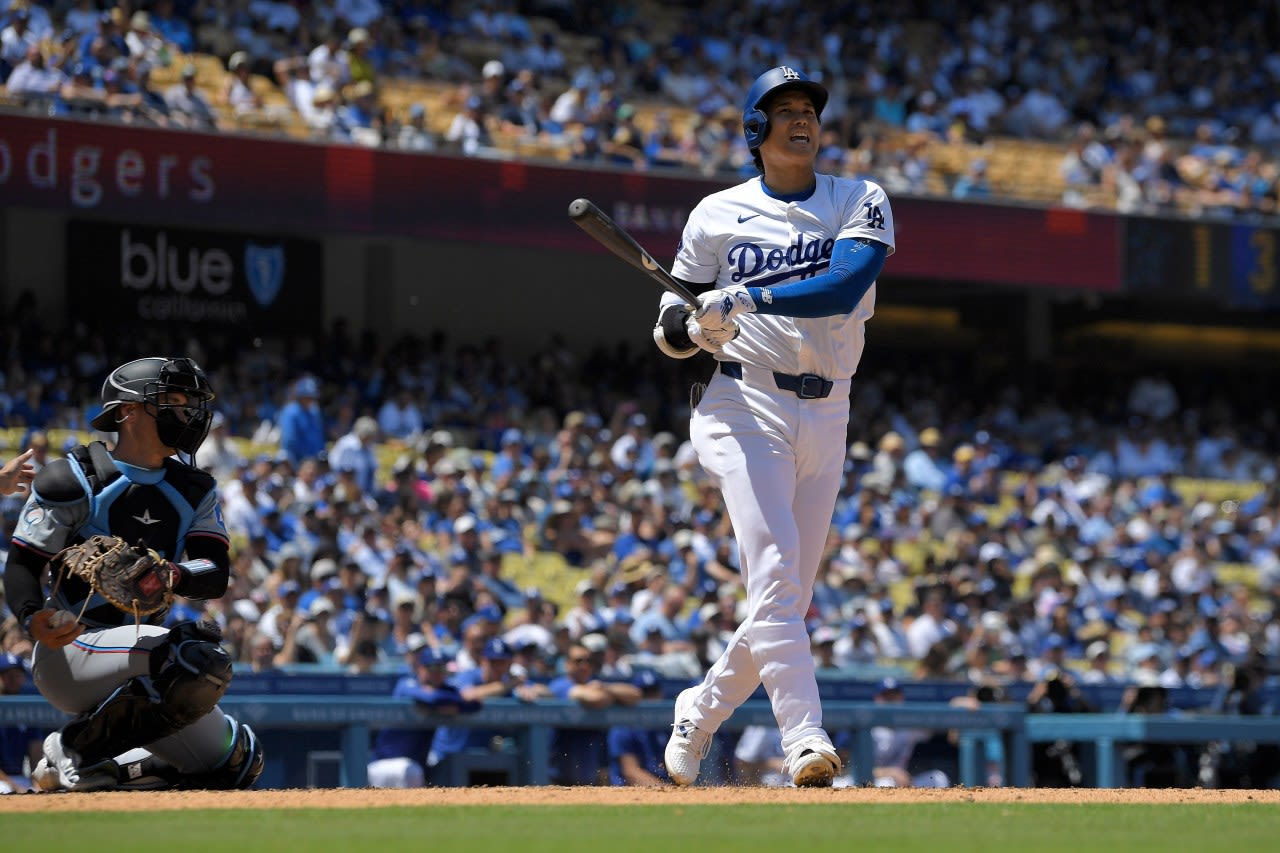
{"x":755,"y":123}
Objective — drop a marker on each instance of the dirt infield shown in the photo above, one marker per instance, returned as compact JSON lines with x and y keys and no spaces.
{"x":363,"y":798}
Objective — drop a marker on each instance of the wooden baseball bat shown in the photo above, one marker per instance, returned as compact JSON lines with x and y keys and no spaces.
{"x":609,"y":234}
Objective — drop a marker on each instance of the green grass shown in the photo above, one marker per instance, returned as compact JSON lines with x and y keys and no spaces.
{"x":929,"y":827}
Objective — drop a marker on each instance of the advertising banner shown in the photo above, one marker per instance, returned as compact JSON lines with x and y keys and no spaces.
{"x":288,"y":186}
{"x":128,"y":275}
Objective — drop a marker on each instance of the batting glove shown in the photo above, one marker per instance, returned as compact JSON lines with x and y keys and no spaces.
{"x":718,"y":308}
{"x":711,"y":340}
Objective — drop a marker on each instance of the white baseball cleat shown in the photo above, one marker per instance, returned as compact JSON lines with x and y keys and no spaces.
{"x":815,"y":763}
{"x":688,"y":745}
{"x":60,"y":770}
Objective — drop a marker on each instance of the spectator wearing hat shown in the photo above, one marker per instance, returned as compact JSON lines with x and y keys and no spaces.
{"x":414,"y":134}
{"x":585,"y":616}
{"x":237,"y":92}
{"x":275,"y":621}
{"x":974,"y":182}
{"x":511,"y":458}
{"x":664,"y":617}
{"x":17,"y":37}
{"x":476,"y":630}
{"x":100,"y":47}
{"x":360,"y":48}
{"x":360,"y":117}
{"x":188,"y":106}
{"x":625,"y":145}
{"x":857,"y":644}
{"x":144,"y":42}
{"x":82,"y":92}
{"x":886,"y":464}
{"x":399,"y":757}
{"x":315,"y":639}
{"x":580,"y":756}
{"x":894,"y":747}
{"x":922,"y":466}
{"x":822,"y":642}
{"x":1098,"y":657}
{"x":468,"y":132}
{"x":18,"y":743}
{"x":263,"y":652}
{"x":218,"y":454}
{"x":302,"y":425}
{"x":490,"y":678}
{"x":635,"y":754}
{"x":355,"y":452}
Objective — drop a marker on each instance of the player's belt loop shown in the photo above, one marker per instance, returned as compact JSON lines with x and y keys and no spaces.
{"x":806,"y":386}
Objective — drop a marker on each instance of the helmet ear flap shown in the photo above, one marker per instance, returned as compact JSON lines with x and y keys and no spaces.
{"x":755,"y":126}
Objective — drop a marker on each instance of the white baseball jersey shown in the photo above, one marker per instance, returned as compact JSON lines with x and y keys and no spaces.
{"x":743,"y":235}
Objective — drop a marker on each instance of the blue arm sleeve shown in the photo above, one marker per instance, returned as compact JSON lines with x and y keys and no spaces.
{"x":855,"y":264}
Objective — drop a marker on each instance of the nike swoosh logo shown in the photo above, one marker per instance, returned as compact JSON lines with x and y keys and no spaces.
{"x":742,"y":219}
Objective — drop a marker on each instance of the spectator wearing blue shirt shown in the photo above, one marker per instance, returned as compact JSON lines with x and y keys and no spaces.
{"x":353,"y":452}
{"x":974,"y":183}
{"x":635,"y":755}
{"x":664,"y":619}
{"x":491,"y":679}
{"x":17,"y":743}
{"x":580,"y":756}
{"x":171,"y":27}
{"x":921,"y":466}
{"x":400,"y":756}
{"x":302,"y":431}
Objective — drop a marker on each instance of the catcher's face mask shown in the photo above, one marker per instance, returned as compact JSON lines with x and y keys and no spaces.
{"x":181,"y":425}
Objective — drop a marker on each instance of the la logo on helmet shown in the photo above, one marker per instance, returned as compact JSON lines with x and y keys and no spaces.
{"x":789,"y":73}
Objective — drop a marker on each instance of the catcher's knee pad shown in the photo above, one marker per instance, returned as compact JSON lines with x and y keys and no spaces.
{"x":189,"y":674}
{"x":190,"y":671}
{"x":131,"y":716}
{"x":239,"y":769}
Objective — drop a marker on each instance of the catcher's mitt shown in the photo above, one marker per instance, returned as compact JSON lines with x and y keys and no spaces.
{"x":134,"y":578}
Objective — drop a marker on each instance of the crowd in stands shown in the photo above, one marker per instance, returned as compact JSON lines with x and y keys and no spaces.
{"x":383,"y":498}
{"x":1150,"y":107}
{"x":378,"y":495}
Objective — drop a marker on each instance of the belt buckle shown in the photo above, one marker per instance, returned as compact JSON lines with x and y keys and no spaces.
{"x":811,"y":387}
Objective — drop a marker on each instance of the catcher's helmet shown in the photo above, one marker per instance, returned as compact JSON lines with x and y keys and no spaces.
{"x":755,"y":122}
{"x":144,"y":380}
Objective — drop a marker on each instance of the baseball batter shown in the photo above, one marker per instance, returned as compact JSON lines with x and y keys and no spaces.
{"x":132,"y":685}
{"x":793,"y":256}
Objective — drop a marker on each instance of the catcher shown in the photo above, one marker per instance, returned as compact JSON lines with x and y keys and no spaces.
{"x":108,"y":526}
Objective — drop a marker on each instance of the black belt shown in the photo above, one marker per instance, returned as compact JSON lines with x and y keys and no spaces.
{"x":806,"y":386}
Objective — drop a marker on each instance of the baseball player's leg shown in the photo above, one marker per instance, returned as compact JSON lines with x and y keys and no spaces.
{"x":216,"y":751}
{"x":810,"y":757}
{"x":737,"y":449}
{"x":77,"y":677}
{"x":164,"y":681}
{"x":745,"y":437}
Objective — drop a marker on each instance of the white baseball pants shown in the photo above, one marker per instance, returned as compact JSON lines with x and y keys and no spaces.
{"x":778,"y":461}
